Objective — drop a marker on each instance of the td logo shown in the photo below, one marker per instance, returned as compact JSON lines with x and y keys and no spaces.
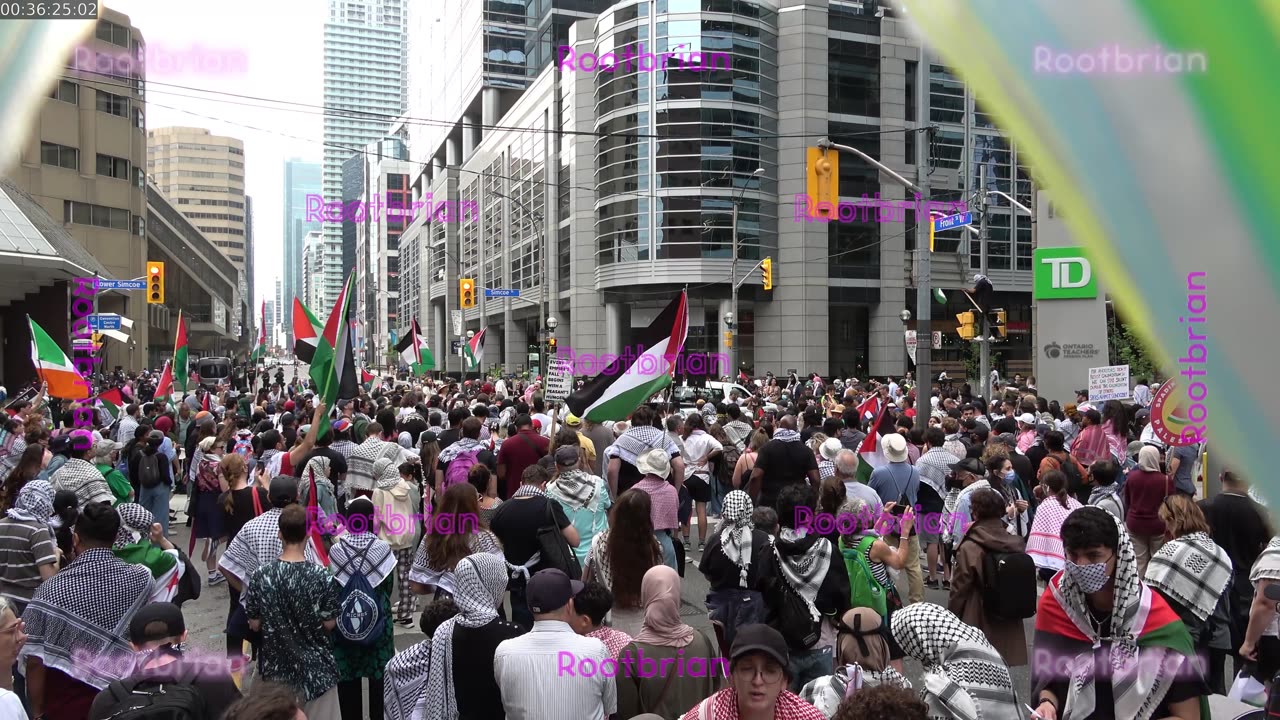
{"x":1062,"y":273}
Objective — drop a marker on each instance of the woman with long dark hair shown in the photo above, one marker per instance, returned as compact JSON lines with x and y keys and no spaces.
{"x":621,"y":555}
{"x":30,"y":463}
{"x":1115,"y":424}
{"x":1045,"y":544}
{"x":440,"y":552}
{"x":1002,"y":479}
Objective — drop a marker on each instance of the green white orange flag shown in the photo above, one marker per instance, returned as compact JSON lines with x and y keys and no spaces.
{"x":179,"y":370}
{"x":333,"y":368}
{"x":474,"y":349}
{"x":54,"y":367}
{"x":621,"y":388}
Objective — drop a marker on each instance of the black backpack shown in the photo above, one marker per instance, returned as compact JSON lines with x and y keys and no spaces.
{"x":360,"y":618}
{"x":790,"y":615}
{"x":143,"y":698}
{"x":149,"y":470}
{"x":1009,"y":587}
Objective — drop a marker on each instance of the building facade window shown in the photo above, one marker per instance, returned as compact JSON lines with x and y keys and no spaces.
{"x":112,"y":104}
{"x":98,"y":215}
{"x":113,"y":167}
{"x":59,"y":155}
{"x":67,"y":92}
{"x":112,"y":33}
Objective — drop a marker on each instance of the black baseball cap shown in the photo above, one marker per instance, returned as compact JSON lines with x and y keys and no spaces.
{"x":283,"y":490}
{"x":759,"y":638}
{"x":549,"y":590}
{"x":973,"y":465}
{"x":162,"y":619}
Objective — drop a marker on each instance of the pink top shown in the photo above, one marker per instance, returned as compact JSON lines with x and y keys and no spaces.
{"x":664,"y":502}
{"x":1045,"y":543}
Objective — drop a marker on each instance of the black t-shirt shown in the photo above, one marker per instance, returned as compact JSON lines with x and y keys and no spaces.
{"x":1238,"y":525}
{"x":337,"y":463}
{"x":449,"y":437}
{"x":723,"y":574}
{"x":242,"y":510}
{"x":516,"y":524}
{"x":473,"y":650}
{"x":783,"y":463}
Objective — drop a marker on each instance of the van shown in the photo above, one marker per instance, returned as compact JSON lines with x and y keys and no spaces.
{"x":213,"y":371}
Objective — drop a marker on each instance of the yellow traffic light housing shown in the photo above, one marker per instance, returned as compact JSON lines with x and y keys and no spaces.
{"x":551,"y":345}
{"x":823,"y":168}
{"x":466,"y":293}
{"x":968,"y":327}
{"x":1002,"y":323}
{"x":766,"y":270}
{"x":728,"y":338}
{"x":155,"y":282}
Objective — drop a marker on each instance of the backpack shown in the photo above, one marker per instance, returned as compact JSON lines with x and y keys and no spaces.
{"x":244,"y":446}
{"x":360,"y":618}
{"x":728,"y":461}
{"x":143,"y":698}
{"x":792,"y":618}
{"x":207,"y":475}
{"x":864,"y":590}
{"x":397,"y":504}
{"x":149,"y":470}
{"x":1009,"y":587}
{"x":459,"y":467}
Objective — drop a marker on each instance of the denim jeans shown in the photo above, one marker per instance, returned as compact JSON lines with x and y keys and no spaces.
{"x":668,"y":549}
{"x":156,"y":500}
{"x":520,"y":613}
{"x":809,"y":665}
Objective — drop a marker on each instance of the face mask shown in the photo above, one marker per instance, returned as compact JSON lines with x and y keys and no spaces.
{"x":1089,"y":577}
{"x":1010,"y":476}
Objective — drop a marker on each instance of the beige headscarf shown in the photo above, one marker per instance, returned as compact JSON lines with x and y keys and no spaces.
{"x":660,"y":598}
{"x":1149,"y":459}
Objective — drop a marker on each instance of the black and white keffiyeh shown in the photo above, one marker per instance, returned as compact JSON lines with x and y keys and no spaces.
{"x":481,"y":582}
{"x":386,"y":474}
{"x":463,"y":445}
{"x":1267,"y":566}
{"x":785,"y":435}
{"x":361,"y":553}
{"x":404,"y":681}
{"x":135,"y":524}
{"x":804,"y":568}
{"x":79,"y":618}
{"x":1192,"y":570}
{"x":257,"y":544}
{"x":83,"y":479}
{"x":360,"y":465}
{"x":735,"y":532}
{"x":576,"y":488}
{"x":636,"y":441}
{"x":34,"y":502}
{"x":964,"y":676}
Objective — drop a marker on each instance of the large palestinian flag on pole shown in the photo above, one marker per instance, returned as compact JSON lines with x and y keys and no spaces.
{"x":474,"y":349}
{"x":113,"y":402}
{"x":164,"y":387}
{"x":54,"y":367}
{"x":260,"y":350}
{"x":870,"y":456}
{"x":621,"y":388}
{"x":306,"y":332}
{"x":180,"y":370}
{"x":334,"y":368}
{"x":414,"y":351}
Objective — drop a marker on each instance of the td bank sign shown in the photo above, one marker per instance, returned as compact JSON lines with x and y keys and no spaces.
{"x":1063,"y":274}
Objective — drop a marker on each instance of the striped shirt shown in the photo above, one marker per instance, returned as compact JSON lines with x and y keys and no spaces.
{"x":541,"y":679}
{"x":24,"y":546}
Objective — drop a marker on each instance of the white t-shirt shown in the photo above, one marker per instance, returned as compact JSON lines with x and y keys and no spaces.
{"x":10,"y":706}
{"x":696,"y":447}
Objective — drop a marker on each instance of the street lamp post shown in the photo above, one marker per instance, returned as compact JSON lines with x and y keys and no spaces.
{"x":733,"y":344}
{"x":905,"y":316}
{"x":552,"y":323}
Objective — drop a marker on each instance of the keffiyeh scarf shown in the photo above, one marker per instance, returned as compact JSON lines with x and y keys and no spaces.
{"x":1150,"y":646}
{"x":964,"y":676}
{"x":784,"y":435}
{"x":82,"y":478}
{"x":361,"y":553}
{"x":1192,"y":570}
{"x":403,"y":681}
{"x":463,"y":445}
{"x":736,"y":532}
{"x":1267,"y":566}
{"x":258,"y":543}
{"x":481,"y":582}
{"x":577,"y":489}
{"x":386,"y":474}
{"x":78,"y":620}
{"x":635,"y":442}
{"x":803,"y":567}
{"x":135,"y":524}
{"x":361,"y":463}
{"x":34,"y":502}
{"x":724,"y":706}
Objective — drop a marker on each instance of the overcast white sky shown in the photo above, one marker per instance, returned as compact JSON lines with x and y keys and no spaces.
{"x":281,"y":42}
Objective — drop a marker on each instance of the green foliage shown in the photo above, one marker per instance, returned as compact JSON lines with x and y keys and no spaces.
{"x":1127,"y":349}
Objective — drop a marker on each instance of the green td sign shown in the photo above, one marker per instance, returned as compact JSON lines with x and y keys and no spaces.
{"x":1062,"y":274}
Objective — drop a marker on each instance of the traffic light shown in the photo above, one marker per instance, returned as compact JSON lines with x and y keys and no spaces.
{"x":968,"y":328}
{"x":155,"y":283}
{"x":728,"y":338}
{"x":1002,"y":323}
{"x":466,"y":293}
{"x":823,"y":168}
{"x":551,"y":345}
{"x":766,"y":270}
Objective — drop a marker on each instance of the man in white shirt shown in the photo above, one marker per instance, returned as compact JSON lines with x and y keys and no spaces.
{"x":553,"y":672}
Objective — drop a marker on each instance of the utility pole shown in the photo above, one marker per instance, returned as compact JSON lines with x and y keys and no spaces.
{"x":984,"y":337}
{"x":924,"y":300}
{"x":733,"y":302}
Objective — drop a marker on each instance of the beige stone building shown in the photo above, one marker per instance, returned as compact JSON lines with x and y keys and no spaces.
{"x":202,"y":174}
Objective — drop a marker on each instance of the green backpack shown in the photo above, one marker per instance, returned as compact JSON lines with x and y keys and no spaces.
{"x":864,"y":590}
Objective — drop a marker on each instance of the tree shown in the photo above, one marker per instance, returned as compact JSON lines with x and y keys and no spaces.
{"x":1128,"y":349}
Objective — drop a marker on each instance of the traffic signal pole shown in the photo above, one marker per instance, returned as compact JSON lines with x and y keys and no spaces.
{"x":984,"y":339}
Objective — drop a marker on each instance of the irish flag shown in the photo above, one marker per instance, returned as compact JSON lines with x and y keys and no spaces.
{"x":869,"y":455}
{"x":333,"y":367}
{"x":306,"y":332}
{"x":622,"y":387}
{"x":54,"y":367}
{"x":475,"y":349}
{"x":180,"y":370}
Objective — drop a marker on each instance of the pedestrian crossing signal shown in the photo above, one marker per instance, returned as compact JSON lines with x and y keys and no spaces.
{"x":968,"y":326}
{"x":155,"y":283}
{"x":1002,"y":323}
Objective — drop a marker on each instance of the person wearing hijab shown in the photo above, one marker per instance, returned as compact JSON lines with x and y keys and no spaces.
{"x":106,"y":453}
{"x":1144,"y":492}
{"x":397,"y":501}
{"x":359,"y":551}
{"x":862,"y":662}
{"x":1106,"y":646}
{"x":31,"y":556}
{"x":964,"y":677}
{"x":462,"y":648}
{"x":583,"y":497}
{"x":667,"y":639}
{"x":316,"y":475}
{"x":141,"y":541}
{"x":758,"y":677}
{"x":738,"y":566}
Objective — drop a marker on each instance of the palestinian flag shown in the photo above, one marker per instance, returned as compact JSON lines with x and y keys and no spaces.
{"x":164,"y":387}
{"x":113,"y":402}
{"x":333,"y":368}
{"x":414,"y":351}
{"x":474,"y":349}
{"x":260,"y":351}
{"x":180,"y":370}
{"x":306,"y":332}
{"x":54,"y":367}
{"x":869,"y":408}
{"x":366,"y":377}
{"x":742,"y":378}
{"x":620,"y":389}
{"x":870,"y":456}
{"x":313,"y":529}
{"x":204,"y":404}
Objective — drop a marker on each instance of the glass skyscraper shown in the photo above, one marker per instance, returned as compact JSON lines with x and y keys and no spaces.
{"x":301,"y":178}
